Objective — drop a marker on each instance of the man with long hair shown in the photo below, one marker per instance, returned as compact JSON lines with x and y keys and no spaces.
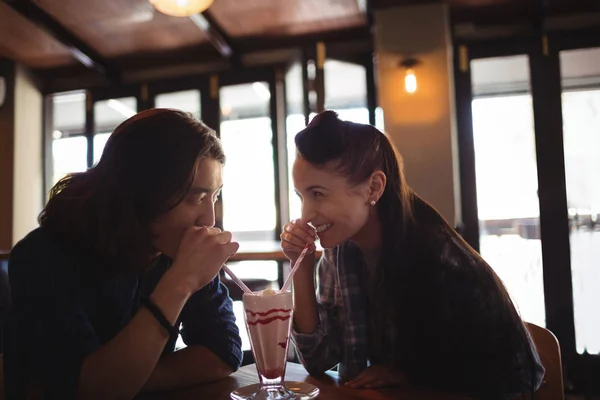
{"x":126,"y":254}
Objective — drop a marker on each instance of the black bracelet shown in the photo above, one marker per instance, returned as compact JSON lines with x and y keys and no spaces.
{"x":160,"y":317}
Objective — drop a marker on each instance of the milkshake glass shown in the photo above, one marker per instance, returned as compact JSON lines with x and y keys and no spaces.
{"x":268,"y":317}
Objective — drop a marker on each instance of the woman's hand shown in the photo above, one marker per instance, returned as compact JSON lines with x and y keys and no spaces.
{"x":296,"y":234}
{"x":377,"y":376}
{"x":202,"y":252}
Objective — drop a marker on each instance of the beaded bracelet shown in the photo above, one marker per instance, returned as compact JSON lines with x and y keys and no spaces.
{"x":160,"y":317}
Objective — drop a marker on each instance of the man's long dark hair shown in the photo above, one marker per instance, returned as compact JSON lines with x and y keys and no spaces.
{"x":425,"y":265}
{"x":146,"y":169}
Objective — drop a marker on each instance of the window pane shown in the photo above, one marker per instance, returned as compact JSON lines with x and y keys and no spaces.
{"x":100,"y":140}
{"x":69,"y":155}
{"x":108,"y":114}
{"x":379,"y":121}
{"x":294,"y":123}
{"x":68,"y":114}
{"x":506,"y":176}
{"x":188,"y":100}
{"x":69,"y":146}
{"x":581,"y":133}
{"x":255,"y":270}
{"x":238,"y":311}
{"x":348,"y":100}
{"x":249,"y":184}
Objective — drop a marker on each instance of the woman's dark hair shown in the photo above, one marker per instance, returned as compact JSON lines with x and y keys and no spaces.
{"x":146,"y":169}
{"x":415,"y":238}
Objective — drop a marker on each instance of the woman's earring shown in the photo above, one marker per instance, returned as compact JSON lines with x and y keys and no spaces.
{"x":373,"y":202}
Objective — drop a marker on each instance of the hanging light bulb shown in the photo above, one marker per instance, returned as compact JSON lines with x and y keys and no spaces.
{"x":410,"y":81}
{"x":181,"y":8}
{"x":410,"y":78}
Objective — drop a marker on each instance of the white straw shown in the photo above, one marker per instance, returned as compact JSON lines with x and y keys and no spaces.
{"x":237,"y":280}
{"x":288,"y":281}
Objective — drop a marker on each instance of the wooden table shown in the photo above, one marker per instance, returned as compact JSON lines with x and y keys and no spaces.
{"x":328,"y":385}
{"x":261,"y":250}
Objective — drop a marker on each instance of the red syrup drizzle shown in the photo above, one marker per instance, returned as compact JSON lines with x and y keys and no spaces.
{"x":268,"y":320}
{"x":262,"y":314}
{"x":283,"y":344}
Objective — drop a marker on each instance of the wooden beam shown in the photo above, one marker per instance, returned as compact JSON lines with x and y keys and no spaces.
{"x":7,"y":144}
{"x":217,"y":36}
{"x":78,"y":49}
{"x":261,"y":43}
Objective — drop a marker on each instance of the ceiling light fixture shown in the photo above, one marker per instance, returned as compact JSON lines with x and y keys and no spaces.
{"x":181,"y":8}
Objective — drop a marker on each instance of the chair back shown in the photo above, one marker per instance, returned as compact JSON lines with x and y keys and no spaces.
{"x":549,"y":351}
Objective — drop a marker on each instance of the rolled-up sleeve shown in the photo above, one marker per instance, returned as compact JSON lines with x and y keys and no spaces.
{"x":208,"y":320}
{"x":320,"y":350}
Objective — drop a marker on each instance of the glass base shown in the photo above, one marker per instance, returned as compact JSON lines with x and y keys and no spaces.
{"x":301,"y":391}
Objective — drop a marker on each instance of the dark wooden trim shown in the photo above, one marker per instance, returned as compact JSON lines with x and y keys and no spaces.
{"x":90,"y":100}
{"x":246,"y":75}
{"x":144,"y":99}
{"x":306,"y":87}
{"x":574,"y":39}
{"x":7,"y":145}
{"x":276,"y":106}
{"x":503,"y":47}
{"x":371,"y":88}
{"x":546,"y":92}
{"x":319,"y":82}
{"x":210,"y":109}
{"x":217,"y":36}
{"x":559,"y":40}
{"x":466,"y":148}
{"x":82,"y":52}
{"x":210,"y":112}
{"x":260,"y":43}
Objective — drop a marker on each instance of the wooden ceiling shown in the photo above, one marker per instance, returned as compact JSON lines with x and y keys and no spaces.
{"x":118,"y":28}
{"x":23,"y":41}
{"x":273,"y":18}
{"x":60,"y":36}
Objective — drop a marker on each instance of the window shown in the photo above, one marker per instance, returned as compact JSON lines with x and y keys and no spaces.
{"x":249,"y":186}
{"x":188,"y":100}
{"x":506,"y":178}
{"x":348,"y":100}
{"x":581,"y":135}
{"x":69,"y":144}
{"x":108,"y":114}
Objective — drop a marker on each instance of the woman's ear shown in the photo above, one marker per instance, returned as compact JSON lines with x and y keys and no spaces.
{"x":376,"y":186}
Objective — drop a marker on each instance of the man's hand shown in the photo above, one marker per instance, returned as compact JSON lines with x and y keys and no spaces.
{"x":377,"y":376}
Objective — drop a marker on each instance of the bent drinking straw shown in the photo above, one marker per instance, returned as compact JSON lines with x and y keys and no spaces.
{"x":237,"y":280}
{"x":288,"y":281}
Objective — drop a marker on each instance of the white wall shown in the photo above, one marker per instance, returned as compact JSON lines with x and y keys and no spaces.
{"x":28,"y":170}
{"x":421,"y":125}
